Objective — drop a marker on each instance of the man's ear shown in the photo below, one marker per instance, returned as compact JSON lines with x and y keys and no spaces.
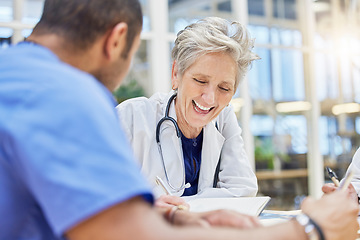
{"x":174,"y":76}
{"x":116,"y":41}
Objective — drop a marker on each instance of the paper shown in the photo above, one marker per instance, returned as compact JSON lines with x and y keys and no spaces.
{"x":247,"y":205}
{"x":271,"y":217}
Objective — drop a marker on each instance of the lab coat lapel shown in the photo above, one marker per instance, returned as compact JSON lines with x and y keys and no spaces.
{"x":172,"y":152}
{"x":211,"y":149}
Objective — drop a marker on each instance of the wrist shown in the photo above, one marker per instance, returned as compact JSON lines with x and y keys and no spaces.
{"x":296,"y":230}
{"x":311,"y":228}
{"x":170,"y":213}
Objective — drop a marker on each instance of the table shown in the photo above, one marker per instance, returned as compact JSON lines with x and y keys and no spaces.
{"x":287,"y":173}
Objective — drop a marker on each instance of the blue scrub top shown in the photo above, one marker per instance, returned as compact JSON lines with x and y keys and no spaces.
{"x":63,"y":155}
{"x":192,"y":159}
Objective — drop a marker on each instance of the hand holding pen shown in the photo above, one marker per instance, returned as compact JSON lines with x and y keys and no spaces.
{"x":344,"y":185}
{"x":168,"y":200}
{"x":332,"y":176}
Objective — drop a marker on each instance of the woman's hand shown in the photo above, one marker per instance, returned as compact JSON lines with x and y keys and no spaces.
{"x":223,"y":218}
{"x":330,"y":187}
{"x":335,"y":213}
{"x":166,"y":201}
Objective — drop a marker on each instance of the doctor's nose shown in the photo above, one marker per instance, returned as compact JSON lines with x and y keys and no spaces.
{"x":209,"y":96}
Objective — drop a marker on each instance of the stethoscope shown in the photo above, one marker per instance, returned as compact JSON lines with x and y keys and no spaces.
{"x":178,"y":133}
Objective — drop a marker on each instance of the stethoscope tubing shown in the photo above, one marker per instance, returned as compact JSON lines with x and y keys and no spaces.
{"x":167,"y":118}
{"x":158,"y":126}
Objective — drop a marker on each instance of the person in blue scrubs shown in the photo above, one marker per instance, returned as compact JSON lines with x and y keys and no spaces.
{"x":62,"y":161}
{"x":66,"y":169}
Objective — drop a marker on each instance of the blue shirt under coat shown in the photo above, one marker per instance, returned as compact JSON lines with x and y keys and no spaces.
{"x":192,"y":160}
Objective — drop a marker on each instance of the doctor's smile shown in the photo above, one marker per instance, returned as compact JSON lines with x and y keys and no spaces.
{"x":201,"y":109}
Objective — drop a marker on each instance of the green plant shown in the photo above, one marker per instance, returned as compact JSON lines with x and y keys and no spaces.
{"x":264,"y":152}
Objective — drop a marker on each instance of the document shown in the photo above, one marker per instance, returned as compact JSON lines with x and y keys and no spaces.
{"x":271,"y":217}
{"x":247,"y":205}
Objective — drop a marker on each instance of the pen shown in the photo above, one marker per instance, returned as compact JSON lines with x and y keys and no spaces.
{"x":332,"y":176}
{"x":161,"y":183}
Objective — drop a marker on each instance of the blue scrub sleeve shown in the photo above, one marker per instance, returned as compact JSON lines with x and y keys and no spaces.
{"x":76,"y":161}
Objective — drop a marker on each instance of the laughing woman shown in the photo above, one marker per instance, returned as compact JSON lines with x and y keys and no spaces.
{"x":189,"y":139}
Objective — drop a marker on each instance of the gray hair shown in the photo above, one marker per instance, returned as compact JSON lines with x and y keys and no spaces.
{"x":214,"y":35}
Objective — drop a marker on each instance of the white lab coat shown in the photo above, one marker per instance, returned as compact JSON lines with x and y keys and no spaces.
{"x":139,"y":118}
{"x":355,"y":168}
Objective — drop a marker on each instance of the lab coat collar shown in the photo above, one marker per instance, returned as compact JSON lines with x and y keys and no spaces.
{"x":172,"y":112}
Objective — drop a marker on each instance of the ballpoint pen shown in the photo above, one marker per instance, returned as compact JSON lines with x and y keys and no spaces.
{"x":344,"y":183}
{"x":333,"y":177}
{"x":161,"y":183}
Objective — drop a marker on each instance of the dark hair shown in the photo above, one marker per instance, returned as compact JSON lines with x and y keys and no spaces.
{"x":81,"y":22}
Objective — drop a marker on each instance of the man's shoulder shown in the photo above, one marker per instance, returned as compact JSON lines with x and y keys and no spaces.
{"x":39,"y":61}
{"x":42,"y":71}
{"x":39,"y":81}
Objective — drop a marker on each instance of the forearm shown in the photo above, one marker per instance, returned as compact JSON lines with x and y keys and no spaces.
{"x":287,"y":231}
{"x":290,"y":230}
{"x":138,"y":221}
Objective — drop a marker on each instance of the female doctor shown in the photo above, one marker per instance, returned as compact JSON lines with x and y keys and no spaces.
{"x":180,"y":138}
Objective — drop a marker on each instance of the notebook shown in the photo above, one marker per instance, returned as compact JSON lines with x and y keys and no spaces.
{"x":247,"y":205}
{"x":271,"y":217}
